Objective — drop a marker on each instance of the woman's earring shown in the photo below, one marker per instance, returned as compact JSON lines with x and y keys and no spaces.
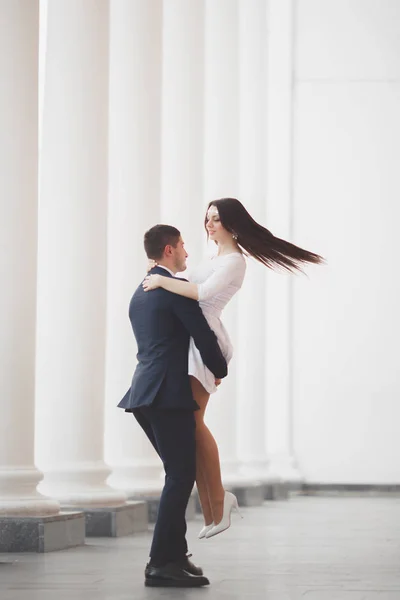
{"x":235,"y":236}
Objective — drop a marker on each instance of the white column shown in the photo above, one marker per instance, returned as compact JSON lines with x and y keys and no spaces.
{"x":221,"y":179}
{"x":278,"y":367}
{"x":134,"y":192}
{"x":72,"y":256}
{"x":182,"y":123}
{"x":250,"y":353}
{"x":19,"y":29}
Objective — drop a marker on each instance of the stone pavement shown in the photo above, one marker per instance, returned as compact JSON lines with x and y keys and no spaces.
{"x":312,"y":548}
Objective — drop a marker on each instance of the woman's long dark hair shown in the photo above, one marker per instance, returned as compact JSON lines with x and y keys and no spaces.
{"x":259,"y":242}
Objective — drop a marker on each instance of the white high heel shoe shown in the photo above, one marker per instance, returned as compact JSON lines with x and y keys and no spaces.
{"x":205,"y":530}
{"x":230,"y":503}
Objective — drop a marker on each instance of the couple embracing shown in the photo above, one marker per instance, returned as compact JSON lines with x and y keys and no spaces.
{"x":183,"y":352}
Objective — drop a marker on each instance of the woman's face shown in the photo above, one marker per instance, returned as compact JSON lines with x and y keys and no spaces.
{"x":216,"y":230}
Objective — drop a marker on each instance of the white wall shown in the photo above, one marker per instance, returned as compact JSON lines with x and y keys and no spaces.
{"x":346,"y":375}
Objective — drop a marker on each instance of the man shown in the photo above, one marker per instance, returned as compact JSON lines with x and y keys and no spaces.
{"x":161,"y":399}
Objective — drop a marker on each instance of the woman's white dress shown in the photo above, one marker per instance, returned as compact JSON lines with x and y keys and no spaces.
{"x":218,"y":279}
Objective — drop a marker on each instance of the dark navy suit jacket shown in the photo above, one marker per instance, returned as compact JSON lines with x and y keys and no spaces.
{"x":163,"y":323}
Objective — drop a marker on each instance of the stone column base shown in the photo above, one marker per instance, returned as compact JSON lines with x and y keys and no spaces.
{"x":249,"y":494}
{"x":115,"y":521}
{"x":42,"y":534}
{"x":350,"y":489}
{"x":277,"y":490}
{"x":153,"y":502}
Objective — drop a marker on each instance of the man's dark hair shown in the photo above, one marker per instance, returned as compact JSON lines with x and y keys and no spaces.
{"x":159,"y":236}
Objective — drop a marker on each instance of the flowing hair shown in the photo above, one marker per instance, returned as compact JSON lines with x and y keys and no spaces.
{"x":257,"y":241}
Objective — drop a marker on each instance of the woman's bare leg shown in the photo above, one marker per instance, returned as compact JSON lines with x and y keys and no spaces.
{"x":203,"y":496}
{"x":201,"y":482}
{"x":209,"y":484}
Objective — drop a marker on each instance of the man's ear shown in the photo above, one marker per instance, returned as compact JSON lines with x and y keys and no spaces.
{"x":168,"y":251}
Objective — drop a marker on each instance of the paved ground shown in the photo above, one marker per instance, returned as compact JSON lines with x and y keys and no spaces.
{"x":307,"y":548}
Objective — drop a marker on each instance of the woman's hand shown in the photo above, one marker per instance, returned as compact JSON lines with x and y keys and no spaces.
{"x":218,"y":382}
{"x":151,"y":264}
{"x":152,"y":282}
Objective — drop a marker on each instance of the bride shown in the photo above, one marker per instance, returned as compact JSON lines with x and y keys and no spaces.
{"x":213,"y":284}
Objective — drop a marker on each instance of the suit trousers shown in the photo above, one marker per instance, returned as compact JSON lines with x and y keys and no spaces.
{"x":172,"y":433}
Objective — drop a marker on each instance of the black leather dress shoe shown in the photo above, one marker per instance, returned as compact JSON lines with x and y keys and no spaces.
{"x":172,"y":575}
{"x":186,"y":564}
{"x":190,"y":567}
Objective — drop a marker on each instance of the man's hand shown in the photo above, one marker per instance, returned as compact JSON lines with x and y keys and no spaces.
{"x":218,"y":382}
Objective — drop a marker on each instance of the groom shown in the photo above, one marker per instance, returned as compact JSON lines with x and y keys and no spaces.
{"x":161,"y":399}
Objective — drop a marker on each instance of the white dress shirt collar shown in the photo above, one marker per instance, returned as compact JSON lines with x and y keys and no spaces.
{"x":166,"y":268}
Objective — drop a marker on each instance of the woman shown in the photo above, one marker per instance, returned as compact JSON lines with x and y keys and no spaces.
{"x":213,"y":284}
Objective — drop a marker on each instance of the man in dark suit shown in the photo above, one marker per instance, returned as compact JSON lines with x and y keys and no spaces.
{"x":161,"y":399}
